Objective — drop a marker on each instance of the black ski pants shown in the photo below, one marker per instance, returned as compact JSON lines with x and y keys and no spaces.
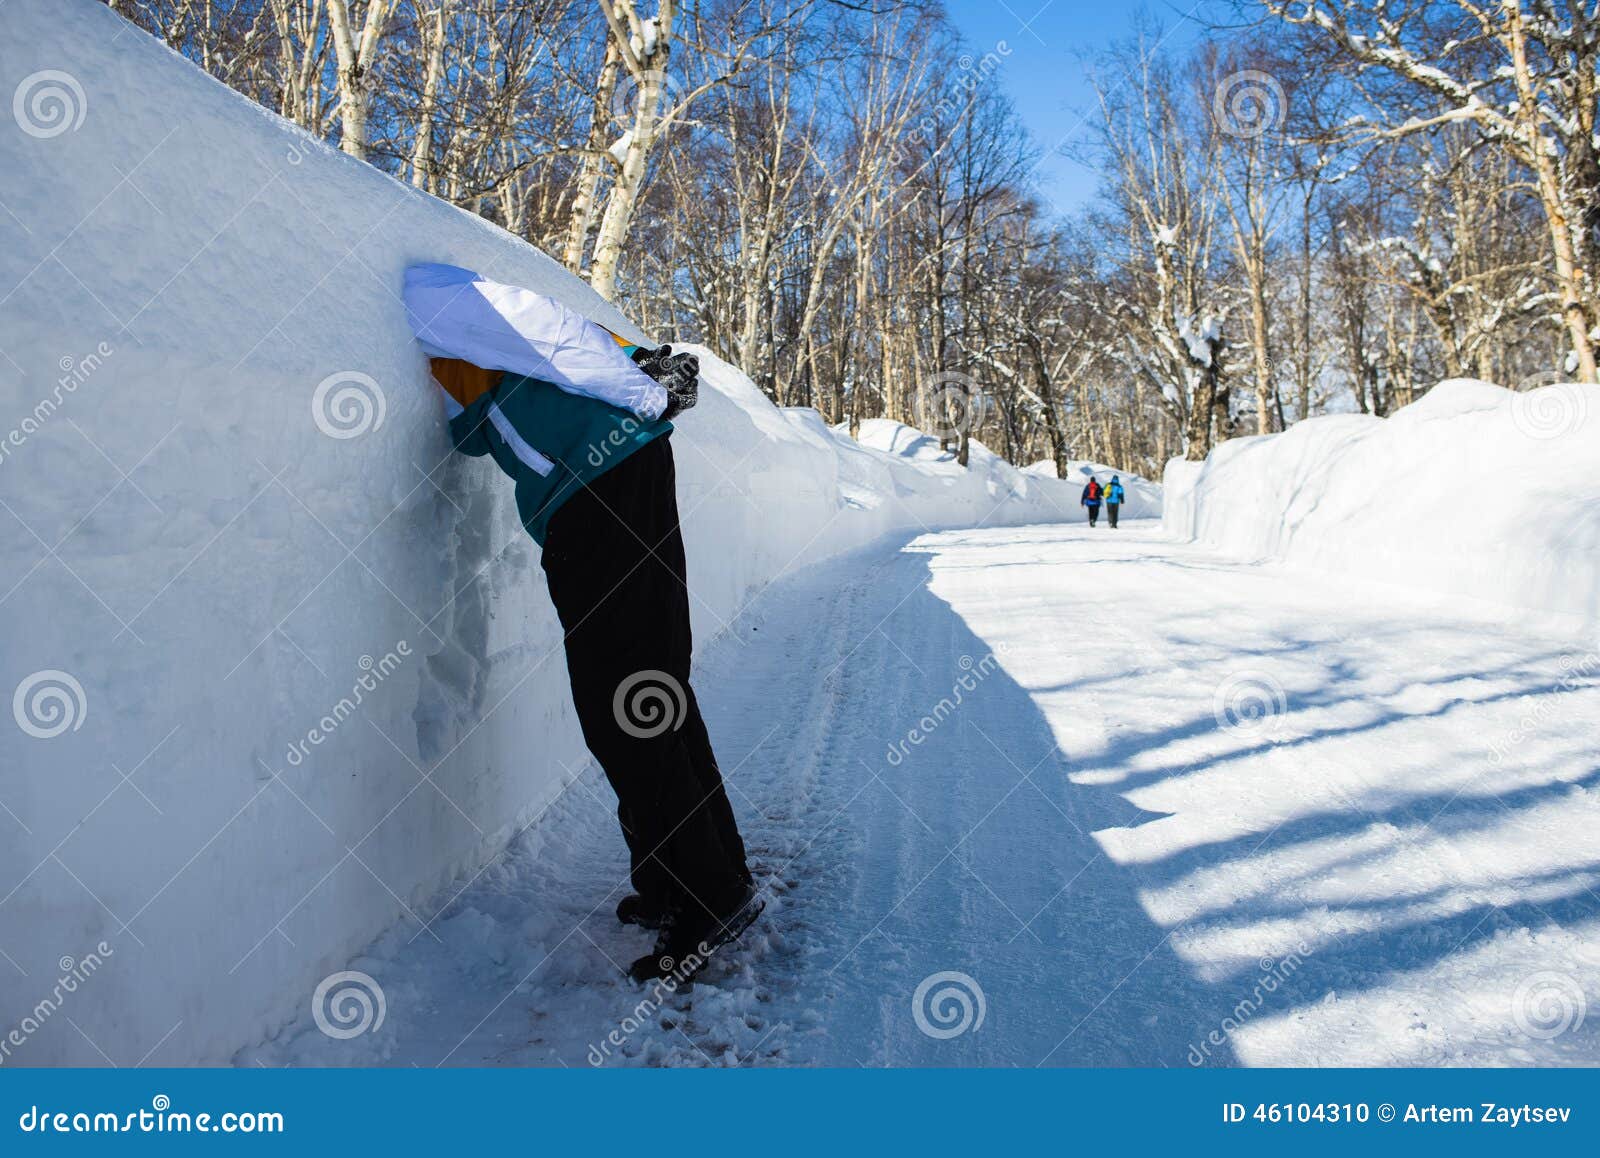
{"x":614,"y":562}
{"x":1111,"y":512}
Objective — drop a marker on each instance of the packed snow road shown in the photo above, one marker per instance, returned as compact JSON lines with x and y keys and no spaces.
{"x":1048,"y":796}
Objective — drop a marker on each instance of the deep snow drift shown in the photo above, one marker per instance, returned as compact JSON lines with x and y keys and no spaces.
{"x":1473,"y":490}
{"x":283,"y":664}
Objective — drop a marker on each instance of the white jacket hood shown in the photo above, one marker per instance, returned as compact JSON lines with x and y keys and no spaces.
{"x":457,"y":313}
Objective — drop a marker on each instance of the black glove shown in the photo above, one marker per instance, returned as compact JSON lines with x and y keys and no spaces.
{"x":678,"y":373}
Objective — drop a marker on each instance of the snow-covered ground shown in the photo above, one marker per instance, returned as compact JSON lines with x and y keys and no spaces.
{"x":283,"y":665}
{"x":1186,"y":811}
{"x":1473,"y":490}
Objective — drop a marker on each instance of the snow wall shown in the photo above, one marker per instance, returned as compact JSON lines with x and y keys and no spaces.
{"x":283,"y":668}
{"x":1473,"y":491}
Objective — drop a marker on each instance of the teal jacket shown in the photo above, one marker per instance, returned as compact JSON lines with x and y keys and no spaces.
{"x":571,"y":403}
{"x":549,"y":441}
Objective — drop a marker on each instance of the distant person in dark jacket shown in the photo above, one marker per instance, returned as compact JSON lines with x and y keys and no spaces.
{"x":1114,"y":497}
{"x":1092,"y":496}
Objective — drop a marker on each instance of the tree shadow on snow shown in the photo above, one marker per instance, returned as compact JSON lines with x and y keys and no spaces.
{"x":970,"y":865}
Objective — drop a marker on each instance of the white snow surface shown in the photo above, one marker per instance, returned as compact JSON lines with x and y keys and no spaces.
{"x":314,"y":673}
{"x":1471,"y":491}
{"x":1188,"y":811}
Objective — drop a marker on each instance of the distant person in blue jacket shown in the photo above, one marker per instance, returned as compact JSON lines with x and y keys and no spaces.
{"x":1092,"y":496}
{"x":1114,"y":496}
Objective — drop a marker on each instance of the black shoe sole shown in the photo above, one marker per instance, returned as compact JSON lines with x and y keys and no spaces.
{"x":655,"y":969}
{"x":654,"y":924}
{"x":653,"y":921}
{"x":735,"y":926}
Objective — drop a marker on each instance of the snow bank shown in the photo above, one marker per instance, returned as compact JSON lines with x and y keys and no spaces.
{"x":1471,"y":491}
{"x":1144,"y":496}
{"x":284,"y":666}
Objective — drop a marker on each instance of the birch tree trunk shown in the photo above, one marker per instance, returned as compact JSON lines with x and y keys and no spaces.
{"x":433,"y":31}
{"x":592,"y":167}
{"x":356,"y":82}
{"x":646,"y":66}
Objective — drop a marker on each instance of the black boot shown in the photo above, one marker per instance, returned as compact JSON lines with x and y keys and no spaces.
{"x":686,"y":945}
{"x":647,"y":914}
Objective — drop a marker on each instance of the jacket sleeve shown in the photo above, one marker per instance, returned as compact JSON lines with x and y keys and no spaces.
{"x":467,"y":423}
{"x":455,"y":313}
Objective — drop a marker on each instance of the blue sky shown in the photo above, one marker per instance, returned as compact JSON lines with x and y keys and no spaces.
{"x":1049,"y":43}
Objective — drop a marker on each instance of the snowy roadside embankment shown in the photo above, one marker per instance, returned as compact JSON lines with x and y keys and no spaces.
{"x":284,"y":667}
{"x":1473,"y":491}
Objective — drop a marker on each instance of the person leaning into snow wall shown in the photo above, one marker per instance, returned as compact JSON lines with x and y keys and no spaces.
{"x":581,"y":421}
